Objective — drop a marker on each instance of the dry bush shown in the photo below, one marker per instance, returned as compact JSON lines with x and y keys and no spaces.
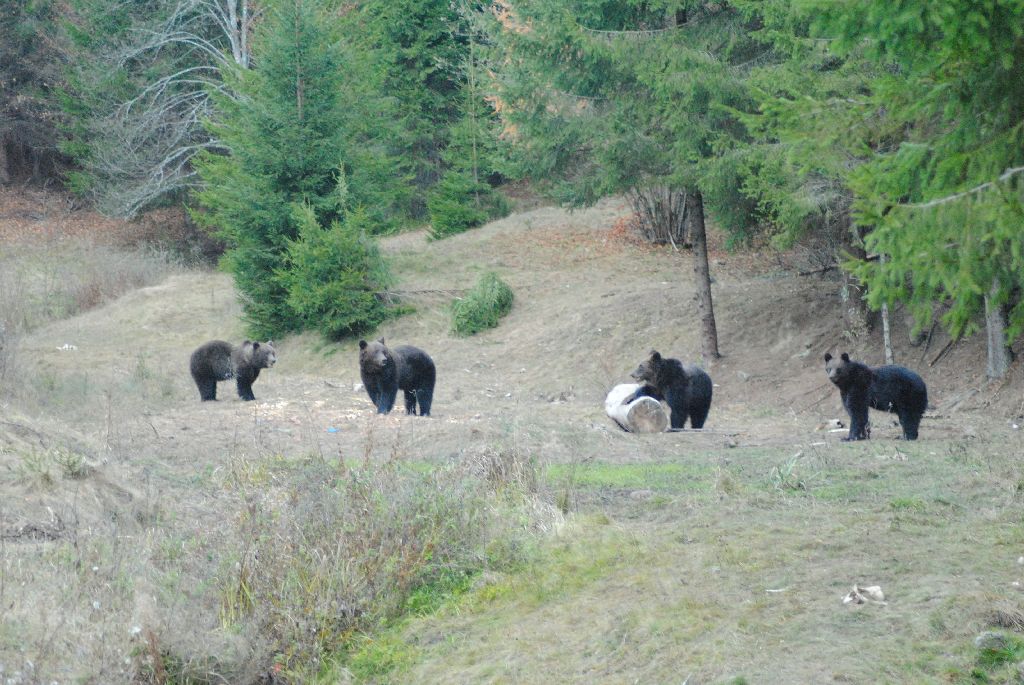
{"x":41,"y":282}
{"x":322,"y":551}
{"x":45,"y":281}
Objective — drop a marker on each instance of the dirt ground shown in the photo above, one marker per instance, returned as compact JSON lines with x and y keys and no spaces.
{"x":112,"y":384}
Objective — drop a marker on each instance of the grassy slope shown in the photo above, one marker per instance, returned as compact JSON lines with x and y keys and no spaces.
{"x":673,"y":542}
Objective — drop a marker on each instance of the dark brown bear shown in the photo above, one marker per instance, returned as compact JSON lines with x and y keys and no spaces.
{"x":890,"y":388}
{"x":685,"y":387}
{"x":218,"y":361}
{"x":384,"y":370}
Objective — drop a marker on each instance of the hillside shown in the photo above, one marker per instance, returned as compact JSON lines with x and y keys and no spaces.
{"x":716,"y":554}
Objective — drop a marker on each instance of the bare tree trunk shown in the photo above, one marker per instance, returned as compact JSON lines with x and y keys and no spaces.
{"x":999,"y":353}
{"x":702,"y":274}
{"x":886,"y":335}
{"x":856,"y":316}
{"x":5,"y":175}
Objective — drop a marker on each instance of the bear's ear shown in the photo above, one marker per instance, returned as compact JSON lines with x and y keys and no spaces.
{"x":362,"y":344}
{"x":828,"y":357}
{"x":381,"y":341}
{"x":845,"y":357}
{"x":655,"y":356}
{"x":255,"y":346}
{"x":269,"y":343}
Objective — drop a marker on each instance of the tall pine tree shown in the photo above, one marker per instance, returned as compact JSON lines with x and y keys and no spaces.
{"x":285,"y":125}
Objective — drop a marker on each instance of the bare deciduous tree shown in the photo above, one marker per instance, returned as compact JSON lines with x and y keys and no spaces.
{"x":143,"y":146}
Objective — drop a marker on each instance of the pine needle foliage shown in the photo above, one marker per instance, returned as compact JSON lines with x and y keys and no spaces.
{"x":482,"y":307}
{"x":944,"y":200}
{"x":604,"y":98}
{"x":335,"y":277}
{"x":285,"y":124}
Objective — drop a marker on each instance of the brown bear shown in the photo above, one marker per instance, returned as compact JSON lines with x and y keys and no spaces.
{"x":384,"y":370}
{"x":686,"y":388}
{"x":218,"y":360}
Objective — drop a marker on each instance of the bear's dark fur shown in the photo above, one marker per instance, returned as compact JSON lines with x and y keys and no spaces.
{"x":218,"y":360}
{"x":385,"y":369}
{"x":893,"y":388}
{"x":685,"y":387}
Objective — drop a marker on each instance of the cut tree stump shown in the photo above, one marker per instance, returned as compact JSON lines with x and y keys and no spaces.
{"x":642,"y":415}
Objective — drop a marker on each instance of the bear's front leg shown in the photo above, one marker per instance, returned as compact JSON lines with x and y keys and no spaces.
{"x":245,"y":390}
{"x":387,"y":400}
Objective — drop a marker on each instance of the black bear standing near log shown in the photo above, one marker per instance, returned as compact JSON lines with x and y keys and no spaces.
{"x":892,"y":388}
{"x":384,"y":370}
{"x":685,"y":387}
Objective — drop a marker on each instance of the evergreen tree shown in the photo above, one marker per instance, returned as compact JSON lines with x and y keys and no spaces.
{"x":464,"y":196}
{"x":943,"y":201}
{"x":284,"y":124}
{"x":415,"y":49}
{"x":913,"y":129}
{"x":637,"y":98}
{"x":31,"y":65}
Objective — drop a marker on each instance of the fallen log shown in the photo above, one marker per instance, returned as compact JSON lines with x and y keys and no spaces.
{"x":642,"y":415}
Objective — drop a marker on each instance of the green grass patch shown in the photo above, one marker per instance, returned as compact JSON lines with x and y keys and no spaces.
{"x":673,"y":477}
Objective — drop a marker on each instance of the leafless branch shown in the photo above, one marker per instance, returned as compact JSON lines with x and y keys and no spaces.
{"x":959,"y":196}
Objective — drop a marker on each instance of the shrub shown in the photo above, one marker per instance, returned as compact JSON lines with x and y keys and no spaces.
{"x":482,"y":307}
{"x":342,"y":550}
{"x":335,"y":276}
{"x":459,"y":203}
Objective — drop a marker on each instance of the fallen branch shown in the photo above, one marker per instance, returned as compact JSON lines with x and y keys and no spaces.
{"x":942,"y":352}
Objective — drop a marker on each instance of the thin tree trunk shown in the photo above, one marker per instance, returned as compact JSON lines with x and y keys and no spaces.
{"x":886,"y":335}
{"x":702,"y":275}
{"x":5,"y":176}
{"x":999,"y":353}
{"x":856,"y":316}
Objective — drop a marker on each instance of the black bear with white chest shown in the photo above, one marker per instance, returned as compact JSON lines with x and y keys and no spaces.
{"x":218,"y":360}
{"x":891,"y":388}
{"x":686,"y":388}
{"x":385,"y":370}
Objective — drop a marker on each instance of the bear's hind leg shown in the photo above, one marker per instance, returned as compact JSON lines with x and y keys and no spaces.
{"x":910,"y":423}
{"x":410,"y":402}
{"x":207,"y":389}
{"x":699,"y":416}
{"x":425,"y":396}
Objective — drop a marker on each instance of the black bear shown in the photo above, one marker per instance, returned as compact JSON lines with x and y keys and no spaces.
{"x":685,"y":387}
{"x":218,"y":360}
{"x":384,"y":370}
{"x":892,"y":388}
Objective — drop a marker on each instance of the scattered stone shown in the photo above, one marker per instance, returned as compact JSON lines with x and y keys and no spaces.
{"x":641,"y":494}
{"x":861,"y":594}
{"x":990,"y":641}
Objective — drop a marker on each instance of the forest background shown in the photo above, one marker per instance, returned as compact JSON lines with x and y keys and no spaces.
{"x":891,"y":132}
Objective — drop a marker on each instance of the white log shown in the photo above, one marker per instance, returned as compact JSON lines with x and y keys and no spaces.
{"x":642,"y":415}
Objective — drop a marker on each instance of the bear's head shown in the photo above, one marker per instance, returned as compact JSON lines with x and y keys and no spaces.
{"x":374,"y":356}
{"x":838,"y":370}
{"x":259,"y":355}
{"x":649,"y":370}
